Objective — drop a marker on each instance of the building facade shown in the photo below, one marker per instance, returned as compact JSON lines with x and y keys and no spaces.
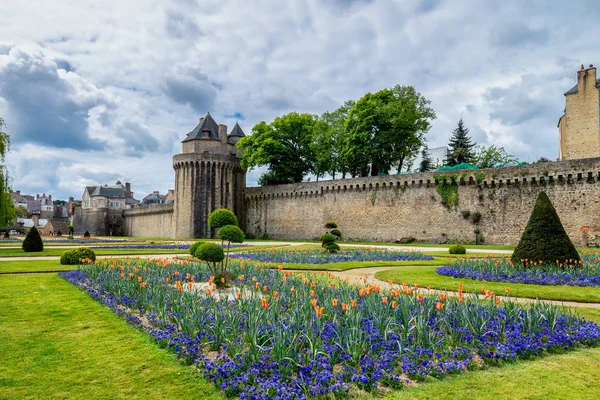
{"x":579,"y":127}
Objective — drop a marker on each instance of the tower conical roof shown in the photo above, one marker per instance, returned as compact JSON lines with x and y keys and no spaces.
{"x":206,"y":124}
{"x":237,"y":131}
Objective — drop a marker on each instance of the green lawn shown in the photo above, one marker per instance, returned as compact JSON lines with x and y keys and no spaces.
{"x":57,"y":343}
{"x":33,"y":266}
{"x":426,"y":276}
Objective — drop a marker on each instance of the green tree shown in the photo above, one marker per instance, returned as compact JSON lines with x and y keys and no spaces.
{"x":22,"y":212}
{"x":331,"y":145}
{"x":426,"y":163}
{"x":490,"y":156}
{"x":33,"y":241}
{"x":7,"y":208}
{"x":461,"y":147}
{"x":545,"y":238}
{"x":285,"y":146}
{"x":385,"y":129}
{"x":230,"y":234}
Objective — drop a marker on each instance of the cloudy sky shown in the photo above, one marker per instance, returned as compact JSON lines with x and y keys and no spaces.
{"x":96,"y":91}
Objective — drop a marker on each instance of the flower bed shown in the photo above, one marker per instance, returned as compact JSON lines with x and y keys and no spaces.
{"x":319,"y":257}
{"x":158,"y":246}
{"x":50,"y":241}
{"x":295,"y":336}
{"x":587,"y":273}
{"x":10,"y":240}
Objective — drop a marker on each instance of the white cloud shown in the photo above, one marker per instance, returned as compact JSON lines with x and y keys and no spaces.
{"x":116,"y":89}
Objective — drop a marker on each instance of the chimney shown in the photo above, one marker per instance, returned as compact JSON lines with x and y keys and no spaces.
{"x":36,"y":219}
{"x":586,"y":76}
{"x":128,"y":189}
{"x":223,"y":133}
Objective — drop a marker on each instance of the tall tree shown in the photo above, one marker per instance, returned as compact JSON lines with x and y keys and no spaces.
{"x":426,"y":163}
{"x":461,"y":147}
{"x":489,"y":157}
{"x":384,"y":129}
{"x":331,"y":145}
{"x":285,"y":146}
{"x":7,"y":208}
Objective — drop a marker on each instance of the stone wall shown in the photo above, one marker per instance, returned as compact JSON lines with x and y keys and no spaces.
{"x":152,"y":221}
{"x":391,"y":207}
{"x":98,"y":221}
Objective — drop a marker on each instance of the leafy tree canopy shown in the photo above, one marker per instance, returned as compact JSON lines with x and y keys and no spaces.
{"x":461,"y":147}
{"x":426,"y":163}
{"x":384,"y":129}
{"x":285,"y":146}
{"x":491,"y":156}
{"x":7,"y":208}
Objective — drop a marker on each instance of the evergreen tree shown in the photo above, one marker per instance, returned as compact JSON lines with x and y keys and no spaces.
{"x":544,"y":238}
{"x":33,"y":241}
{"x":426,"y":163}
{"x":461,"y":148}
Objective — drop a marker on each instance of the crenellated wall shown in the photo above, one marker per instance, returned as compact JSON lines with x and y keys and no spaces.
{"x":152,"y":221}
{"x":391,"y":207}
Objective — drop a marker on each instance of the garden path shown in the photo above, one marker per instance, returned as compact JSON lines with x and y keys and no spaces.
{"x":362,"y":276}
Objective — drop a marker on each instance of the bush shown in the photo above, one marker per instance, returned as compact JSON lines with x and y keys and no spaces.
{"x":331,"y":225}
{"x":194,"y":247}
{"x":86,"y":235}
{"x":231,"y":233}
{"x":476,"y":217}
{"x":544,"y":238}
{"x":70,"y":237}
{"x":221,"y":217}
{"x":337,"y":233}
{"x":72,"y":257}
{"x":264,"y":236}
{"x":465,"y":214}
{"x":332,"y":247}
{"x":457,"y":249}
{"x":33,"y":241}
{"x":327,"y":238}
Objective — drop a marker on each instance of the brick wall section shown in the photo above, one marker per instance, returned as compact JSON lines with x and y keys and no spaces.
{"x":152,"y":221}
{"x":387,"y":208}
{"x":98,"y":221}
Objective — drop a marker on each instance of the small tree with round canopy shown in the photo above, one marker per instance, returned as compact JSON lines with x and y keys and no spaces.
{"x":230,"y":234}
{"x":211,"y":254}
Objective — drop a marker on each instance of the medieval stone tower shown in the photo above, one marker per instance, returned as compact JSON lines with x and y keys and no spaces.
{"x":207,"y":176}
{"x":579,"y":127}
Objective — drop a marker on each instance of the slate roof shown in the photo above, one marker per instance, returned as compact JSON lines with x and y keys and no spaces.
{"x":237,"y":131}
{"x":573,"y":90}
{"x":206,"y":124}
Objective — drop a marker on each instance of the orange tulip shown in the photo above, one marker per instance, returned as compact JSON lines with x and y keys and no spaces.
{"x":334,"y":302}
{"x":293,"y":289}
{"x":361,"y":292}
{"x":275,"y":294}
{"x":313,"y":303}
{"x":420,"y":298}
{"x":208,"y":292}
{"x":439,"y":306}
{"x":239,"y":295}
{"x":312,"y":293}
{"x":265,"y":288}
{"x":123,"y":276}
{"x":443,"y":296}
{"x":394,"y":304}
{"x":241,"y":277}
{"x":353,"y":303}
{"x":498,"y":300}
{"x":179,"y":289}
{"x":506,"y":290}
{"x":143,"y":284}
{"x":140,"y":279}
{"x":344,"y":307}
{"x":319,"y":311}
{"x":384,"y":300}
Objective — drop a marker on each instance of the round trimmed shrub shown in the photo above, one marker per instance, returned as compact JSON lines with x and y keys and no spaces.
{"x":457,"y":249}
{"x":72,"y":257}
{"x":221,"y":217}
{"x":331,"y":225}
{"x":231,"y":233}
{"x":327,"y":238}
{"x":33,"y":241}
{"x":337,"y":233}
{"x":86,"y":235}
{"x":332,"y":247}
{"x":194,"y":247}
{"x":545,"y":238}
{"x":210,"y":252}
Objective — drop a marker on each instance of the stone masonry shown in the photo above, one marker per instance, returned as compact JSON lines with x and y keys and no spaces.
{"x":391,"y":207}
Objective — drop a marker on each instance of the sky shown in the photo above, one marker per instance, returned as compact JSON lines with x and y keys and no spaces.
{"x":94,"y":92}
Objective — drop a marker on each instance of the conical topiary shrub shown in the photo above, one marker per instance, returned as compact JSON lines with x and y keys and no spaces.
{"x":544,"y":238}
{"x":33,"y":241}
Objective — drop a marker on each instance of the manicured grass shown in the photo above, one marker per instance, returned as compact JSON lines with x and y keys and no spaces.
{"x":111,"y":252}
{"x":426,"y":276}
{"x":58,"y":343}
{"x":33,"y":266}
